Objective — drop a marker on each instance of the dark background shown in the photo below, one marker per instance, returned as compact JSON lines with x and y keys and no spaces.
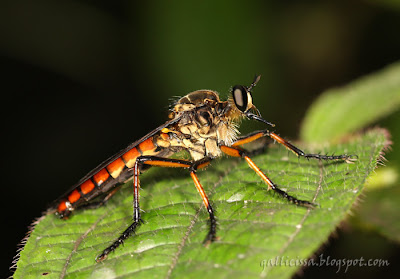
{"x":82,"y":79}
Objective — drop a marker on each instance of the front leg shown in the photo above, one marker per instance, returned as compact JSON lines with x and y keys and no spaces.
{"x":236,"y":152}
{"x":258,"y":134}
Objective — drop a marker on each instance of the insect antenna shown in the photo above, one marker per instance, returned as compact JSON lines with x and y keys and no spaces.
{"x":254,"y":83}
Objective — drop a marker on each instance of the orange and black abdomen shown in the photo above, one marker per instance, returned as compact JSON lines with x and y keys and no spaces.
{"x":105,"y":178}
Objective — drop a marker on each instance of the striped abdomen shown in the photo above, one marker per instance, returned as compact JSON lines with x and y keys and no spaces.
{"x":106,"y":177}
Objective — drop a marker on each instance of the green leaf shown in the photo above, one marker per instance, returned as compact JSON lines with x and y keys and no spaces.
{"x":380,"y":208}
{"x":255,"y":226}
{"x":384,"y":218}
{"x":347,"y":109}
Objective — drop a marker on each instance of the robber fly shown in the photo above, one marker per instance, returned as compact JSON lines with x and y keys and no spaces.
{"x":199,"y":123}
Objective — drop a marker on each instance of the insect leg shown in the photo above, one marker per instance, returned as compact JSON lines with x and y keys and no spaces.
{"x":211,"y":236}
{"x":161,"y":162}
{"x":249,"y":138}
{"x":235,"y":152}
{"x":97,"y":204}
{"x":136,"y":215}
{"x":258,"y":134}
{"x":193,"y":167}
{"x":299,"y":152}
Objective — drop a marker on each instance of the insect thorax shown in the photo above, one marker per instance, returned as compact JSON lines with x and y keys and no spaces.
{"x":204,"y":125}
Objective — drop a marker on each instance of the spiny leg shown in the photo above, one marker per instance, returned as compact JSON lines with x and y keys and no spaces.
{"x":161,"y":162}
{"x":235,"y":152}
{"x":258,"y":134}
{"x":300,"y":153}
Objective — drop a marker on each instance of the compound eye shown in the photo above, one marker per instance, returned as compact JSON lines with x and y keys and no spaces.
{"x":240,"y":97}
